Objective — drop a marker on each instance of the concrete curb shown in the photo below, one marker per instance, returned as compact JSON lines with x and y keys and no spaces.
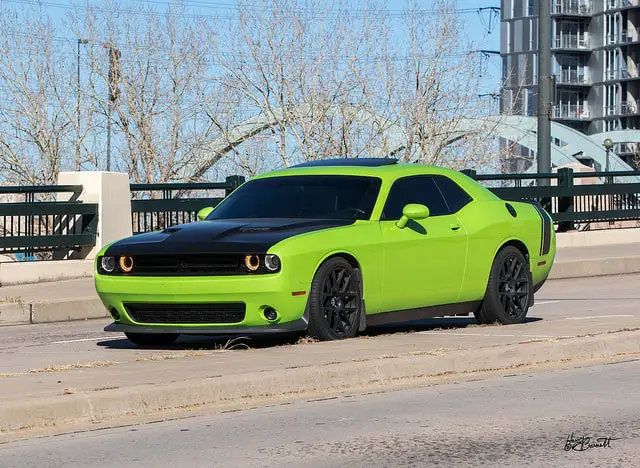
{"x":15,"y":273}
{"x":595,"y":267}
{"x":382,"y":373}
{"x":61,"y":310}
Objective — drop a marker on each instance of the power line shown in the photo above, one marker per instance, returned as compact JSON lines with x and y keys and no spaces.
{"x":431,"y":12}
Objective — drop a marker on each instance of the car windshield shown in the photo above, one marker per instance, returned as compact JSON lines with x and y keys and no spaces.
{"x":313,"y":196}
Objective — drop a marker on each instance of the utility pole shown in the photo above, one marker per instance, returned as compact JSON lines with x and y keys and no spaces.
{"x":80,"y":41}
{"x":114,"y":76}
{"x":545,"y":89}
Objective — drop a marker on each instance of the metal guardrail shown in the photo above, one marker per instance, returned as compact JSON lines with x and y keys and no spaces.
{"x":158,"y":206}
{"x":38,"y":224}
{"x":571,"y":204}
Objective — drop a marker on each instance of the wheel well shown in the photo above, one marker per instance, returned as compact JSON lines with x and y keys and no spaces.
{"x":518,"y":245}
{"x":349,"y":258}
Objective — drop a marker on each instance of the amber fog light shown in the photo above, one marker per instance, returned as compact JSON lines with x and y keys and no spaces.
{"x":252,"y":262}
{"x":126,"y":263}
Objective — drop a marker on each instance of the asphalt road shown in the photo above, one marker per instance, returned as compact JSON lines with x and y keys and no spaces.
{"x":518,"y":420}
{"x":564,"y":303}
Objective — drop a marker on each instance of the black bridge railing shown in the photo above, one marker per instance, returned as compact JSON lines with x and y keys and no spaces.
{"x":37,"y":223}
{"x":609,"y":200}
{"x":157,"y":206}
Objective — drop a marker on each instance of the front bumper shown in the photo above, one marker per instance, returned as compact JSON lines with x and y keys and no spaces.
{"x":256,"y":292}
{"x":286,"y":327}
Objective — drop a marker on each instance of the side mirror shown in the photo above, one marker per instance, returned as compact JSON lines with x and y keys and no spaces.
{"x":412,"y":211}
{"x":204,"y":212}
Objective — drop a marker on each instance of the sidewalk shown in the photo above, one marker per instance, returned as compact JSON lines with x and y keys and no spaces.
{"x":77,"y":300}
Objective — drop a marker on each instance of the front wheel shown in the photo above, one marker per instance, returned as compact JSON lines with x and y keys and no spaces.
{"x":509,"y":289}
{"x":335,"y":301}
{"x":152,"y":339}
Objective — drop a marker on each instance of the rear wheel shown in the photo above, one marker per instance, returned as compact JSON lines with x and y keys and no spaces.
{"x":335,"y":301}
{"x":152,"y":339}
{"x":509,"y":289}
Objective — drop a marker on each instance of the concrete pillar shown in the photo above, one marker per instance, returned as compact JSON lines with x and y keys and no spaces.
{"x":110,"y":190}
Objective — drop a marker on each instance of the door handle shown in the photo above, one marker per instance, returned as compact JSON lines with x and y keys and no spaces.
{"x":454,"y":227}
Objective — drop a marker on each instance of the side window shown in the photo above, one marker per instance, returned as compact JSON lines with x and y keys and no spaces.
{"x":453,"y":194}
{"x":418,"y":189}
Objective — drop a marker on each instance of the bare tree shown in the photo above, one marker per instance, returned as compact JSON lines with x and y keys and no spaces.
{"x":34,"y":115}
{"x":187,"y":97}
{"x":149,"y":67}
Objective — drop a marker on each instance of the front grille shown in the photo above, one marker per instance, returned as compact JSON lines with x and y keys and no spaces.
{"x":188,"y":265}
{"x":232,"y":312}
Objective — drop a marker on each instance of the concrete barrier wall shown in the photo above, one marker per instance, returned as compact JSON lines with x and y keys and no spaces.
{"x":110,"y":190}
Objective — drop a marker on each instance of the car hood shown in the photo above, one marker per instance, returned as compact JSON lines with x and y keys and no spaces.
{"x":220,"y":236}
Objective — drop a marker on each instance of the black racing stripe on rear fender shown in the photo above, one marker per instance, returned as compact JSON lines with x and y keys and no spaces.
{"x":545,"y":234}
{"x":545,"y":240}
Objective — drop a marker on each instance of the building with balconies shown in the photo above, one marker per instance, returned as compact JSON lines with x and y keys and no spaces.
{"x":595,"y":58}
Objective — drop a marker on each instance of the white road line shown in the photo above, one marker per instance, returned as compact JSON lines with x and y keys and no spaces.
{"x":545,"y":302}
{"x":82,"y":339}
{"x":426,"y":332}
{"x":596,"y":316}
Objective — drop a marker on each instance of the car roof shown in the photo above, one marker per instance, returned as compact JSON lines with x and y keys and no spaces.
{"x":387,"y":169}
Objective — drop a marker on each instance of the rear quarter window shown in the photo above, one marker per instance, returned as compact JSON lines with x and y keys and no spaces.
{"x":453,"y":194}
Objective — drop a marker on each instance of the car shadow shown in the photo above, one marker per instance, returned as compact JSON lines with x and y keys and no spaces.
{"x":240,"y":342}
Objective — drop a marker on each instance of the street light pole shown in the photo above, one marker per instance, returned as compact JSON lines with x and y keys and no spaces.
{"x":80,"y":41}
{"x":608,"y":145}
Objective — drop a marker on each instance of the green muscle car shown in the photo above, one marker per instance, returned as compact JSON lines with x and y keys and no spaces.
{"x":331,"y":247}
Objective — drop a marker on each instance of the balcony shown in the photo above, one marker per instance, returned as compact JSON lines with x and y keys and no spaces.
{"x":620,"y":39}
{"x":620,"y":4}
{"x":571,"y":43}
{"x":571,"y":7}
{"x":571,"y":112}
{"x":621,"y":74}
{"x":625,"y":148}
{"x":622,"y":109}
{"x":572,"y":78}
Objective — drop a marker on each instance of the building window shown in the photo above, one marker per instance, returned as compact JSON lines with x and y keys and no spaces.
{"x":531,"y":103}
{"x":531,"y":8}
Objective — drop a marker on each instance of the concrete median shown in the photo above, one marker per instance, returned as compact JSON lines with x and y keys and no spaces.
{"x":382,"y":372}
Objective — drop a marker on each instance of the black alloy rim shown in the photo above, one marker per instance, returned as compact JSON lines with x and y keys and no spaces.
{"x":513,"y":286}
{"x":340,"y":301}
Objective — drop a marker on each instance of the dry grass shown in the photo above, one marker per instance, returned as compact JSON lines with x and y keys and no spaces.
{"x":78,"y":365}
{"x":163,"y":357}
{"x":17,"y":299}
{"x":306,"y":340}
{"x":481,"y":325}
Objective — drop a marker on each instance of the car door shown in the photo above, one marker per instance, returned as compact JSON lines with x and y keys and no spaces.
{"x":424,"y":262}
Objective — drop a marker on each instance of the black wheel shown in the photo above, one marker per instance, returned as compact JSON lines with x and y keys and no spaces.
{"x":152,"y":339}
{"x":335,"y":301}
{"x":509,"y":289}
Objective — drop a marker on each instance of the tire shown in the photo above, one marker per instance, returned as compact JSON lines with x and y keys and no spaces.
{"x":152,"y":339}
{"x":335,"y":301}
{"x":509,"y":289}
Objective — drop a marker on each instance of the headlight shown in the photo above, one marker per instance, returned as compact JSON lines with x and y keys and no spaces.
{"x":272,"y":262}
{"x":108,"y":264}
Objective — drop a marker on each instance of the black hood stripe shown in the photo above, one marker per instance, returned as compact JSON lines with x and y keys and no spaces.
{"x":221,"y":236}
